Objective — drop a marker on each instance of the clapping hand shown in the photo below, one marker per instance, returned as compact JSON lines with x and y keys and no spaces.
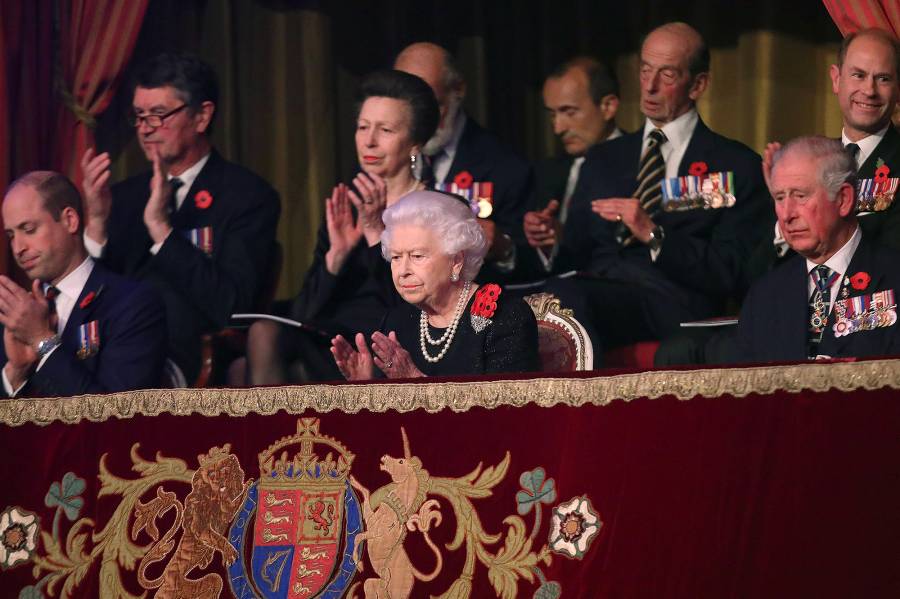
{"x":97,"y":197}
{"x":771,"y":148}
{"x":370,"y":199}
{"x":354,"y":364}
{"x":390,"y":357}
{"x":343,"y":233}
{"x":629,"y":212}
{"x":541,"y":226}
{"x":156,"y":212}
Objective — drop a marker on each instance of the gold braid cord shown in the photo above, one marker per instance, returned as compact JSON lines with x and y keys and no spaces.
{"x":460,"y":396}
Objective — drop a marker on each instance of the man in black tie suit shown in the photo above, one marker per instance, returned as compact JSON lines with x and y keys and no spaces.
{"x":654,"y":269}
{"x":205,"y":234}
{"x":582,"y":99}
{"x":835,"y":297}
{"x":463,"y":149}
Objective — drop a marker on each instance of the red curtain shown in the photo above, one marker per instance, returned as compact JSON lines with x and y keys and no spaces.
{"x":852,"y":15}
{"x":96,"y":39}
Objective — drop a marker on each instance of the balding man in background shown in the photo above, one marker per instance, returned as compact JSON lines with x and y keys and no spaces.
{"x":461,"y":151}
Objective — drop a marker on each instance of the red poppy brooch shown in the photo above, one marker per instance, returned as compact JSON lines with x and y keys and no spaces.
{"x":860,"y":280}
{"x":484,"y":306}
{"x":463,"y":180}
{"x":203,"y":199}
{"x":698,"y":169}
{"x":88,"y":299}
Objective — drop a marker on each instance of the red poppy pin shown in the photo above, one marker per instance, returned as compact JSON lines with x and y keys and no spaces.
{"x":860,"y":280}
{"x":882,"y":173}
{"x":86,"y":301}
{"x":203,"y":199}
{"x":698,"y":169}
{"x":463,"y":180}
{"x":484,"y":306}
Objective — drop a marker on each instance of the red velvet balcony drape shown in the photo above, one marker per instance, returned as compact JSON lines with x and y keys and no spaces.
{"x":96,"y":39}
{"x":852,"y":15}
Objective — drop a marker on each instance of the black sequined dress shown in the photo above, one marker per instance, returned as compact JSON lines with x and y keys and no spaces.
{"x":508,"y":344}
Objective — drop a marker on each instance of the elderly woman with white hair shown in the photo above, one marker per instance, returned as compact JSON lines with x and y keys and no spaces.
{"x":448,"y":325}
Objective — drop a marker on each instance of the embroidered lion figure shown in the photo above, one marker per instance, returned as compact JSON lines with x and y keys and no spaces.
{"x":217,"y":493}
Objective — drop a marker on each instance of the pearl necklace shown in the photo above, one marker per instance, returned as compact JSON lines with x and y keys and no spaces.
{"x":424,"y":335}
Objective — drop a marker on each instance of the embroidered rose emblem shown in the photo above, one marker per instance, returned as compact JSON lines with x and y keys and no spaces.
{"x":698,"y":169}
{"x":573,"y":527}
{"x":18,"y":536}
{"x":882,"y":173}
{"x":463,"y":180}
{"x":860,"y":280}
{"x":87,"y":300}
{"x":203,"y":199}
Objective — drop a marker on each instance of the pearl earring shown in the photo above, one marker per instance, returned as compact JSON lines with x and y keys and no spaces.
{"x":454,"y":277}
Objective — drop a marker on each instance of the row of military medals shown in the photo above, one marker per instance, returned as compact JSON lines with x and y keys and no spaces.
{"x":860,"y":313}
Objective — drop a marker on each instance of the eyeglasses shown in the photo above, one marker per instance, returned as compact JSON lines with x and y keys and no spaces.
{"x":154,"y":121}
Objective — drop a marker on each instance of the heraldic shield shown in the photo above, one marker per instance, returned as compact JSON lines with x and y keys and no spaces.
{"x":304,"y":520}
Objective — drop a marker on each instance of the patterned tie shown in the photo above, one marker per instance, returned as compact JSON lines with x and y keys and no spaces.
{"x":50,"y":295}
{"x":853,"y":150}
{"x":822,"y":277}
{"x":651,"y":172}
{"x":176,"y":184}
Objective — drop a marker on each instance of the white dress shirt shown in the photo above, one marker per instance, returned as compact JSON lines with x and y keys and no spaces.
{"x":678,"y":135}
{"x":866,"y":145}
{"x":70,"y":288}
{"x":838,"y":263}
{"x":187,"y":178}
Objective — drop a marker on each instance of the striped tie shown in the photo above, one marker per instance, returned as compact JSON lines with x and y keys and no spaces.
{"x":823,"y":278}
{"x":651,"y":172}
{"x":53,"y":316}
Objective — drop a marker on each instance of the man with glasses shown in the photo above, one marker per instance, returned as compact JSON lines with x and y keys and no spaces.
{"x":199,"y":228}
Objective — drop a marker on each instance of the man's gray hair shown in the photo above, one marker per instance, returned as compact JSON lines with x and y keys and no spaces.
{"x":836,"y":165}
{"x":449,"y":217}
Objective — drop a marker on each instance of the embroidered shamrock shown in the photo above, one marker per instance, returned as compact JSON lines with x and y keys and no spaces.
{"x":203,"y":199}
{"x":882,"y":172}
{"x":860,"y":280}
{"x":463,"y":180}
{"x":698,"y":169}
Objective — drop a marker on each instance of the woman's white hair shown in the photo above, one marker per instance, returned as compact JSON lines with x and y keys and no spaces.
{"x":449,"y":217}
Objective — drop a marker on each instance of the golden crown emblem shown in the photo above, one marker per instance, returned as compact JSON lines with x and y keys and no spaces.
{"x":305,"y":466}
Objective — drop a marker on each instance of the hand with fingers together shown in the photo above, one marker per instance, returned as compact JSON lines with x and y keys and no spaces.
{"x":156,"y":211}
{"x":390,"y":357}
{"x":343,"y":233}
{"x":370,"y":199}
{"x":771,"y":148}
{"x":21,"y":359}
{"x":25,"y":315}
{"x":627,"y":211}
{"x":354,"y":364}
{"x":97,"y":196}
{"x":541,"y":227}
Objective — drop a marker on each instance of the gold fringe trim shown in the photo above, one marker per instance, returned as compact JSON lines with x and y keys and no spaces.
{"x":458,"y":397}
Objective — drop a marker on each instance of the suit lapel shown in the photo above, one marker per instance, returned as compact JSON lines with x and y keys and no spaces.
{"x":699,"y":149}
{"x":888,"y":149}
{"x":861,"y":261}
{"x":191,"y":214}
{"x":795,"y":326}
{"x":91,"y":296}
{"x":468,"y":155}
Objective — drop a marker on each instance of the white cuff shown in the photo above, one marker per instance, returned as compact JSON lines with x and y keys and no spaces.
{"x":7,"y":386}
{"x":94,"y":249}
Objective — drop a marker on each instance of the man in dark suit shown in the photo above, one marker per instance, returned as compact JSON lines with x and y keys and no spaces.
{"x":463,"y":151}
{"x":835,"y":297}
{"x":81,"y":329}
{"x":205,"y":236}
{"x":655,"y":269}
{"x":582,"y":98}
{"x":865,"y":80}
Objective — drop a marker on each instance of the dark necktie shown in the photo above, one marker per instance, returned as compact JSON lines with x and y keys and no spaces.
{"x":176,"y":184}
{"x":426,"y":173}
{"x":822,"y":277}
{"x":50,"y":295}
{"x":853,"y":150}
{"x":651,"y":172}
